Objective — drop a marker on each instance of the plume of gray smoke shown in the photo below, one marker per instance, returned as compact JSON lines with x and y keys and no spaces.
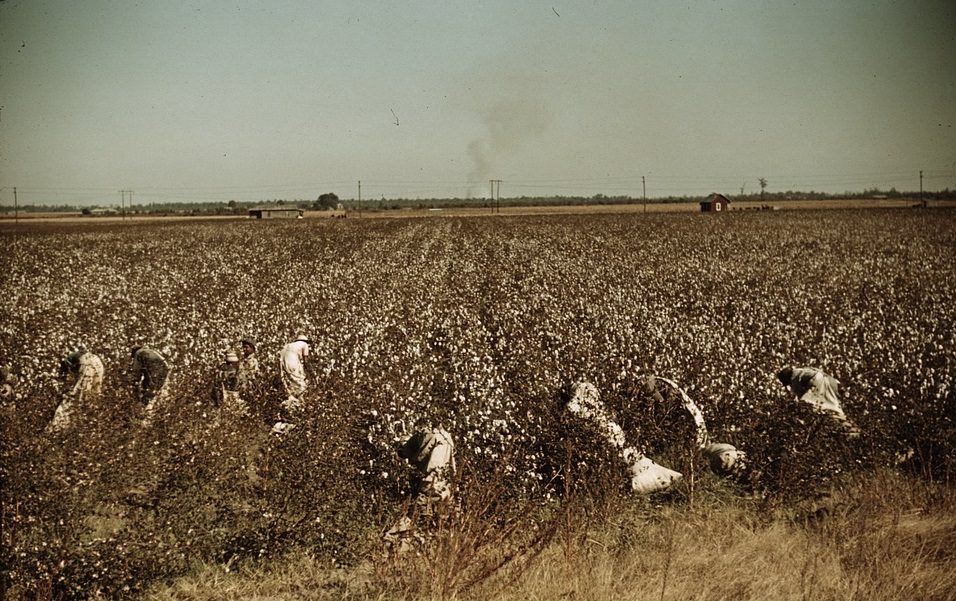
{"x":510,"y":123}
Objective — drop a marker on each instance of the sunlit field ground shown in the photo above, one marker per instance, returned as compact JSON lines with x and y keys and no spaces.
{"x":479,"y":325}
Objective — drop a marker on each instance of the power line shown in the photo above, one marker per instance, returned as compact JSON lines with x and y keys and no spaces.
{"x":631,"y":185}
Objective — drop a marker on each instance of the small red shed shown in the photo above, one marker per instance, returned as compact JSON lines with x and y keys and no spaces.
{"x":715,"y":202}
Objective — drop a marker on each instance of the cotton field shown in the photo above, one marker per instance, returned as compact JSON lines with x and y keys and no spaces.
{"x":477,"y":324}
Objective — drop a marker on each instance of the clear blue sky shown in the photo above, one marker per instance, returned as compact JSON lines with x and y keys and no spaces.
{"x":225,"y":100}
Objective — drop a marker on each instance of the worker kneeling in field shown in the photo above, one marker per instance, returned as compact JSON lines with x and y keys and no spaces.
{"x":85,"y":372}
{"x":148,"y":375}
{"x":814,"y":387}
{"x":431,"y":453}
{"x":646,"y":476}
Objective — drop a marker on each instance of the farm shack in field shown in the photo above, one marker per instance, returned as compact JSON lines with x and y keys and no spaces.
{"x":276,"y":213}
{"x":715,"y":203}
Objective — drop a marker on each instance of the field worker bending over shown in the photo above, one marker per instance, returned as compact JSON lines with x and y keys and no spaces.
{"x":646,"y":476}
{"x":666,"y":391}
{"x":292,"y":363}
{"x":248,"y":364}
{"x":292,"y":368}
{"x":814,"y":387}
{"x":148,"y":373}
{"x":724,"y":459}
{"x":85,"y":370}
{"x":431,"y":453}
{"x":227,"y":385}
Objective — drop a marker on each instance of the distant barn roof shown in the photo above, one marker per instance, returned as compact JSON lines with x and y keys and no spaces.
{"x":715,"y":197}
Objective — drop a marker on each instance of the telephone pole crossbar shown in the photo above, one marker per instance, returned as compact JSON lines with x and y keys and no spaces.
{"x":495,"y":195}
{"x":126,"y":202}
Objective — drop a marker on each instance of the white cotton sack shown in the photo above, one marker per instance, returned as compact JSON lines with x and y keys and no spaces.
{"x":648,"y":477}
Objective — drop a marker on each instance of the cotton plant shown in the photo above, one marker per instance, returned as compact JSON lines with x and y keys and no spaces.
{"x":477,"y":325}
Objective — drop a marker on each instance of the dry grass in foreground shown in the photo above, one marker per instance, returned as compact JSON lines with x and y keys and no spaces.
{"x":887,"y":538}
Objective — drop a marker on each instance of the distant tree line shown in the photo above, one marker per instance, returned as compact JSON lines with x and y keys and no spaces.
{"x":331,"y":201}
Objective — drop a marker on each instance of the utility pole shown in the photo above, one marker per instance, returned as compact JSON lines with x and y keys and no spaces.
{"x":921,"y":201}
{"x":644,"y":192}
{"x":360,"y":192}
{"x":125,"y":202}
{"x":16,"y":208}
{"x":495,"y":197}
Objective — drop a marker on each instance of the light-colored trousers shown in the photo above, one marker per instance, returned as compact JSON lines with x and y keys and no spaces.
{"x":293,"y":379}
